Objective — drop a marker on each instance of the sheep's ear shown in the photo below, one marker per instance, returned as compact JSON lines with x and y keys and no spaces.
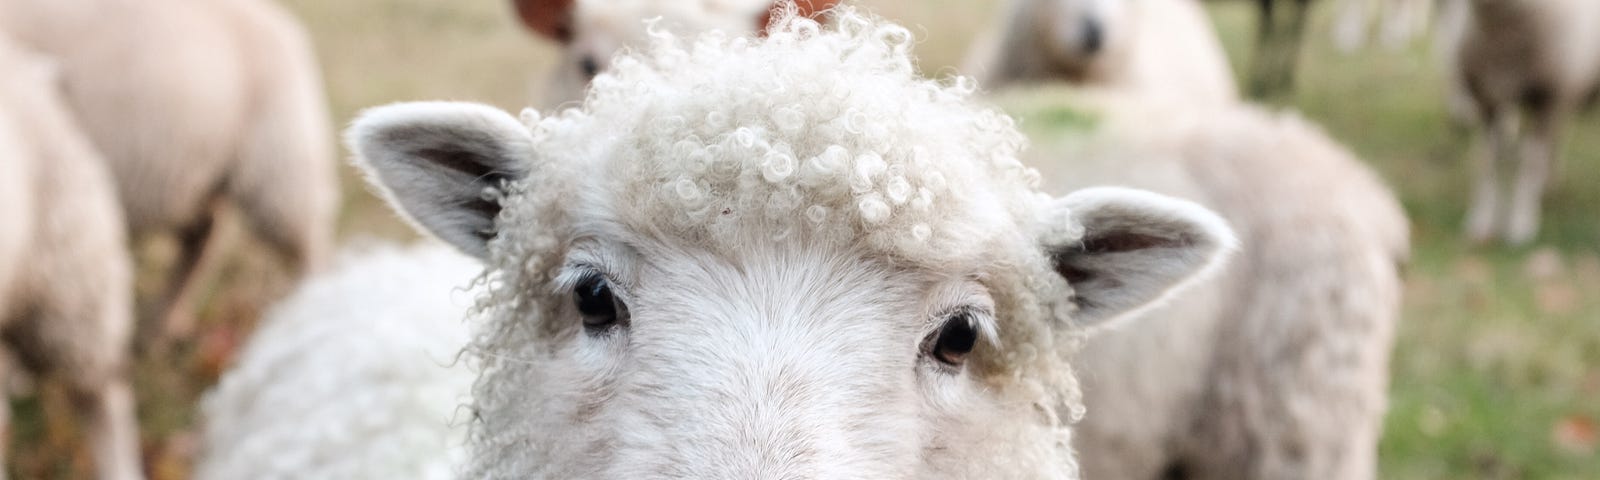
{"x":439,"y":164}
{"x":803,"y":8}
{"x":1136,"y":249}
{"x":551,"y":19}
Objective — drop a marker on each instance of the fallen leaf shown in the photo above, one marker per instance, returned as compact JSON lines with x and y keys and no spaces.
{"x":1556,"y":298}
{"x":1575,"y":434}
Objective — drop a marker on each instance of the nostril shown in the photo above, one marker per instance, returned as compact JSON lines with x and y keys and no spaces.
{"x":589,"y":66}
{"x":1093,"y":36}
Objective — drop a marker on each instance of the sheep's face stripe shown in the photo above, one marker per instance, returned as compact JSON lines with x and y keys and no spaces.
{"x":779,"y":258}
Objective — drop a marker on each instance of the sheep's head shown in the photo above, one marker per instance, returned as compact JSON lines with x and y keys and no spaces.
{"x":788,"y":257}
{"x":1079,"y":34}
{"x":591,"y":32}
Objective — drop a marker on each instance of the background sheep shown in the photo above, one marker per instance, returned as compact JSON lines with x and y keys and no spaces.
{"x":642,"y":316}
{"x":352,"y":376}
{"x":66,"y":310}
{"x":1279,"y":369}
{"x":590,"y":32}
{"x":195,"y":103}
{"x":1153,"y":47}
{"x":1527,"y":67}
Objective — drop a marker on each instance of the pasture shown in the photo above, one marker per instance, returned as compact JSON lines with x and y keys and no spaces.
{"x":1496,"y":371}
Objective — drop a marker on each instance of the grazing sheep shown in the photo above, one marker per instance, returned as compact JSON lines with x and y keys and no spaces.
{"x":1154,"y":47}
{"x":788,"y":257}
{"x":1279,"y":367}
{"x":590,"y":32}
{"x":1525,"y":67}
{"x":66,"y":282}
{"x":388,"y":321}
{"x":1280,"y":29}
{"x":193,"y":103}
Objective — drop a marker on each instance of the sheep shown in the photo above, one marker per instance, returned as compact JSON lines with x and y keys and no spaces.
{"x":590,"y":32}
{"x":388,"y":320}
{"x":1278,"y":368}
{"x":1155,"y":47}
{"x":196,"y":104}
{"x":1516,"y":58}
{"x":66,"y":280}
{"x":788,"y":257}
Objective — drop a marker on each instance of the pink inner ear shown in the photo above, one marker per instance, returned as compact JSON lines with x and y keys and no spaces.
{"x":549,"y":18}
{"x":808,"y":8}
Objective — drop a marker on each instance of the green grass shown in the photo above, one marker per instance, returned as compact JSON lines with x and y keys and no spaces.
{"x":1497,"y":348}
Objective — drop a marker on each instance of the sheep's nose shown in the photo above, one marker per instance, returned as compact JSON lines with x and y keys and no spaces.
{"x":589,"y":66}
{"x":1093,"y":36}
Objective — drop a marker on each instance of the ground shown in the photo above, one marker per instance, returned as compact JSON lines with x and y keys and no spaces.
{"x":1496,"y":372}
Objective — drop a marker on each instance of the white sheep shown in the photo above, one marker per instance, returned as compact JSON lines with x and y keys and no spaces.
{"x":788,"y":257}
{"x":590,"y":32}
{"x":1279,"y":367}
{"x":66,"y":280}
{"x":362,"y":360}
{"x":1525,"y":67}
{"x":196,"y":103}
{"x":1155,"y":47}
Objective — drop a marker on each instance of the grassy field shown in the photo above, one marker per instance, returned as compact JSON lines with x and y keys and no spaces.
{"x":1497,"y":366}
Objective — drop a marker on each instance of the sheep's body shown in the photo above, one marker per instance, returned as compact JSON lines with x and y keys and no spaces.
{"x":1155,"y":47}
{"x":729,"y":263}
{"x":360,"y":364}
{"x":1524,"y":67}
{"x":1280,"y":368}
{"x":194,"y":103}
{"x":65,"y":277}
{"x":591,"y":32}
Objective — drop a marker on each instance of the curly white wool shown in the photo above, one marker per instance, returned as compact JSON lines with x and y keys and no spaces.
{"x":353,"y":376}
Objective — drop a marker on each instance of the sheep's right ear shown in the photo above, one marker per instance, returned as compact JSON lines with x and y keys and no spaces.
{"x":439,"y":164}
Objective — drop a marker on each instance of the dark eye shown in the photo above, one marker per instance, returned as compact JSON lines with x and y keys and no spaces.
{"x":598,"y":306}
{"x":955,"y":339}
{"x":589,"y":66}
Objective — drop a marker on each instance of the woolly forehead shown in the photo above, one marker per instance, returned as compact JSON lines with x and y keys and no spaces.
{"x":835,"y":138}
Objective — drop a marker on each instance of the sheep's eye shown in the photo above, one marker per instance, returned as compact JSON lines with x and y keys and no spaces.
{"x":597,"y":305}
{"x":955,"y":339}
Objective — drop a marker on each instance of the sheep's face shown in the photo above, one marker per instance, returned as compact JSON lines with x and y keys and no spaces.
{"x":845,"y":278}
{"x":1078,"y":33}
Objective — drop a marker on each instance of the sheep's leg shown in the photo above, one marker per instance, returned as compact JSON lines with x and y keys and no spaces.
{"x":5,"y":415}
{"x":1350,"y":30}
{"x":1535,"y":158}
{"x":111,"y":426}
{"x":175,"y":315}
{"x":1485,"y":216}
{"x":1277,"y":46}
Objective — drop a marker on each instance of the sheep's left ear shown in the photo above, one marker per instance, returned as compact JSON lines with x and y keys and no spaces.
{"x":803,"y":8}
{"x":441,"y":164}
{"x":549,"y":18}
{"x":1136,"y":249}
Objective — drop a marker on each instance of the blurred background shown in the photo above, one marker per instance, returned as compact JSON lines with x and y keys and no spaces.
{"x":1496,"y":370}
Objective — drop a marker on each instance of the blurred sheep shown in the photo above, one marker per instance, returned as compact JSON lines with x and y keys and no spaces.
{"x":66,"y":280}
{"x":1279,"y":367}
{"x":195,"y":103}
{"x":590,"y":32}
{"x":363,"y":359}
{"x":1154,"y":47}
{"x":1521,"y":70}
